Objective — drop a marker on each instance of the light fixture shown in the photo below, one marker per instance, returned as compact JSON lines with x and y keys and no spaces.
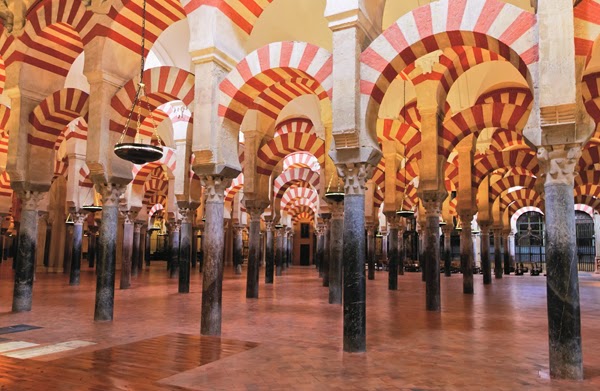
{"x":442,"y":223}
{"x":278,"y":226}
{"x":406,"y":213}
{"x":337,"y":194}
{"x":139,"y":152}
{"x":69,"y":220}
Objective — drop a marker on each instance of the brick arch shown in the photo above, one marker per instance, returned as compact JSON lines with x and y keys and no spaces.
{"x":85,"y":179}
{"x":5,"y":189}
{"x":243,"y":14}
{"x":140,"y":172}
{"x":294,"y":125}
{"x":586,"y":177}
{"x":163,"y":84}
{"x":503,"y":139}
{"x":502,"y":185}
{"x":274,"y":98}
{"x":301,"y":159}
{"x":451,"y":174}
{"x":589,"y":157}
{"x":588,"y":200}
{"x":494,"y":25}
{"x":304,"y":216}
{"x":54,"y":113}
{"x":4,"y":116}
{"x":491,"y":162}
{"x":529,"y":195}
{"x":301,"y":205}
{"x":155,"y":199}
{"x":589,"y":189}
{"x":404,"y":175}
{"x":270,"y":154}
{"x":586,"y":17}
{"x":407,"y":134}
{"x":476,"y":118}
{"x":155,"y":208}
{"x":236,"y":185}
{"x":295,"y":176}
{"x":294,"y":193}
{"x":590,"y":91}
{"x":520,"y":204}
{"x":519,"y":96}
{"x":269,"y":65}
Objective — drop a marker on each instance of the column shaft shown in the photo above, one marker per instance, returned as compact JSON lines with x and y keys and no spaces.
{"x":136,"y":253}
{"x":485,"y":255}
{"x":185,"y":252}
{"x":278,"y":253}
{"x":393,"y":256}
{"x":498,"y":254}
{"x":238,"y":244}
{"x":327,"y":262}
{"x":126,"y":254}
{"x":371,"y":253}
{"x":432,"y":251}
{"x":48,"y":243}
{"x":336,"y":255}
{"x":466,"y":256}
{"x":76,"y":259}
{"x":269,"y":254}
{"x":174,"y":249}
{"x":506,"y":255}
{"x":253,"y":255}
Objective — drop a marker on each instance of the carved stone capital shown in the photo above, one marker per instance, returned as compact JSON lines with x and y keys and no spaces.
{"x":355,"y":176}
{"x":111,"y":193}
{"x":370,"y":227}
{"x":558,"y":162}
{"x":79,"y":217}
{"x":174,"y":225}
{"x":187,"y":215}
{"x":128,"y":215}
{"x":269,"y":225}
{"x":30,"y":200}
{"x":337,"y":210}
{"x":214,"y":188}
{"x":393,"y":220}
{"x":432,"y":201}
{"x":255,"y":212}
{"x":447,"y":229}
{"x":137,"y":228}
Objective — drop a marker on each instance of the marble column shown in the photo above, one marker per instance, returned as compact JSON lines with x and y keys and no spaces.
{"x":127,"y":248}
{"x":147,"y":244}
{"x":238,"y":244}
{"x":485,"y":253}
{"x":92,"y":241}
{"x":68,"y":253}
{"x":370,"y":251}
{"x":48,"y":241}
{"x":107,"y":246}
{"x":136,"y":254}
{"x":447,"y":230}
{"x":278,"y":251}
{"x":498,"y":253}
{"x":401,"y":249}
{"x":174,"y":234}
{"x":432,"y":202}
{"x":78,"y":219}
{"x":253,"y":251}
{"x":335,"y":252}
{"x":185,"y":248}
{"x":506,"y":252}
{"x":284,"y":246}
{"x":26,"y":250}
{"x":320,"y":249}
{"x":269,"y":252}
{"x":194,"y":247}
{"x":384,"y":245}
{"x":466,"y":252}
{"x":213,"y":246}
{"x":290,"y":246}
{"x":393,"y":221}
{"x":327,"y":263}
{"x":354,"y":297}
{"x":564,"y":321}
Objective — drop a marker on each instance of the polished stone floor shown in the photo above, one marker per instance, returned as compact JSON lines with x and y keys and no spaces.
{"x":290,"y":338}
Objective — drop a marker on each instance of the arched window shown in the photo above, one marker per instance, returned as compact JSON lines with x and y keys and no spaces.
{"x":586,"y":250}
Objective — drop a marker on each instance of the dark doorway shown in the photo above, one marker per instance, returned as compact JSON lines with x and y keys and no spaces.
{"x":304,"y":254}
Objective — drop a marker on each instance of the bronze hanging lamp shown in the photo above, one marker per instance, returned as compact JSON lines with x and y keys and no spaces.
{"x":94,"y":206}
{"x":139,"y":152}
{"x":406,"y":213}
{"x":337,"y":194}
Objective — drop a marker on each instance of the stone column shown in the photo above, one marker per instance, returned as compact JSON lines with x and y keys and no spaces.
{"x":564,"y":322}
{"x":498,"y":253}
{"x":68,"y":253}
{"x":284,"y":246}
{"x":335,"y":252}
{"x":185,"y":248}
{"x":278,"y":251}
{"x":485,"y":253}
{"x":174,"y":234}
{"x":92,"y":236}
{"x":269,"y":251}
{"x":447,"y":230}
{"x":320,"y":249}
{"x":48,"y":241}
{"x":432,"y":201}
{"x":290,"y":240}
{"x":384,"y":246}
{"x":78,"y":219}
{"x":401,"y":249}
{"x":393,"y":221}
{"x":328,"y":266}
{"x":371,"y":250}
{"x":194,"y":247}
{"x":355,"y":177}
{"x":127,"y":248}
{"x":213,"y":246}
{"x":253,"y":251}
{"x":136,"y":255}
{"x":105,"y":281}
{"x":505,"y":238}
{"x":26,"y":250}
{"x":238,"y":244}
{"x":147,"y":244}
{"x":466,"y":252}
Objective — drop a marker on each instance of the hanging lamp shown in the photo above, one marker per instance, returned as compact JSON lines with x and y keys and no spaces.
{"x":93,"y":207}
{"x":69,"y":220}
{"x":335,"y":195}
{"x":406,"y":213}
{"x":139,"y":152}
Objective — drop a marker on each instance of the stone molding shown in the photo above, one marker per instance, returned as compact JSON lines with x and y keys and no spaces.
{"x":30,"y":200}
{"x":187,"y":215}
{"x":355,"y":176}
{"x":214,"y":188}
{"x":558,"y":162}
{"x":79,"y":217}
{"x":129,"y":215}
{"x":432,"y":202}
{"x":255,"y":212}
{"x":111,"y":193}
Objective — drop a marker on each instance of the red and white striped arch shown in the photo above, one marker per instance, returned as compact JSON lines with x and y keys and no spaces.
{"x":4,"y":116}
{"x":504,"y":184}
{"x":518,"y":96}
{"x":299,"y":206}
{"x":147,"y":126}
{"x":140,"y":172}
{"x":476,"y":118}
{"x":295,"y":193}
{"x":54,"y":113}
{"x":272,"y":64}
{"x":491,"y":162}
{"x":587,"y":27}
{"x":590,"y":189}
{"x":75,"y":130}
{"x":586,"y":209}
{"x":301,"y":159}
{"x":487,"y":24}
{"x":5,"y":189}
{"x":504,"y":139}
{"x":406,"y":134}
{"x":521,"y":212}
{"x":155,"y":209}
{"x":3,"y":143}
{"x":586,"y":177}
{"x":524,"y":204}
{"x":60,"y":167}
{"x":295,"y":176}
{"x":589,"y":200}
{"x":590,"y":156}
{"x":270,"y":154}
{"x":590,"y":90}
{"x":2,"y":74}
{"x":155,"y":199}
{"x":294,"y":125}
{"x":163,"y":84}
{"x":236,"y":185}
{"x":242,"y":13}
{"x":85,"y":180}
{"x":126,"y":27}
{"x":527,"y":195}
{"x":451,"y":174}
{"x":304,"y":216}
{"x":274,"y":98}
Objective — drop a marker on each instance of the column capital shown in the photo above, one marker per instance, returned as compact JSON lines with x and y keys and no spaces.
{"x":214,"y":188}
{"x":393,"y":220}
{"x":137,"y":227}
{"x":111,"y":193}
{"x":129,"y":215}
{"x":30,"y":200}
{"x":355,"y":176}
{"x":558,"y":162}
{"x":187,"y":215}
{"x":370,"y":227}
{"x":79,"y":217}
{"x":337,"y":210}
{"x":174,"y":225}
{"x":447,"y":229}
{"x":269,"y":225}
{"x":432,"y":201}
{"x":255,"y":212}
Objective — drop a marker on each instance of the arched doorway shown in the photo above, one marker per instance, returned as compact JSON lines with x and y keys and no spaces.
{"x":586,"y":250}
{"x":529,"y":240}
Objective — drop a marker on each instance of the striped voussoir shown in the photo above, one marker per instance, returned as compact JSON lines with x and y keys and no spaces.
{"x":268,"y":66}
{"x":276,"y":149}
{"x":4,"y":116}
{"x":162,"y":85}
{"x":5,"y":189}
{"x":451,"y":174}
{"x":407,"y":134}
{"x":298,"y":209}
{"x":304,"y":216}
{"x":242,"y":13}
{"x":522,"y":211}
{"x":590,"y":90}
{"x":295,"y":176}
{"x":493,"y":25}
{"x":301,"y":159}
{"x":54,"y":113}
{"x":295,"y":193}
{"x":84,"y":177}
{"x":294,"y":125}
{"x":3,"y":142}
{"x":493,"y":161}
{"x":504,"y":139}
{"x":236,"y":185}
{"x":378,"y":197}
{"x":585,"y":177}
{"x":586,"y":18}
{"x":508,"y":182}
{"x":155,"y":199}
{"x":586,"y":209}
{"x":522,"y":203}
{"x":155,"y":208}
{"x":589,"y":157}
{"x":589,"y":189}
{"x":452,"y":205}
{"x":530,"y":196}
{"x":60,"y":167}
{"x":141,"y":172}
{"x":275,"y":97}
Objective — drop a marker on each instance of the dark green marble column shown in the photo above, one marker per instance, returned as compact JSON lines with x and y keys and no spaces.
{"x":498,"y":271}
{"x":185,"y":248}
{"x":370,"y":251}
{"x":433,"y":206}
{"x":238,"y":244}
{"x":269,"y":251}
{"x":78,"y":219}
{"x":252,"y":275}
{"x":466,"y":252}
{"x":127,"y":249}
{"x":485,"y":253}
